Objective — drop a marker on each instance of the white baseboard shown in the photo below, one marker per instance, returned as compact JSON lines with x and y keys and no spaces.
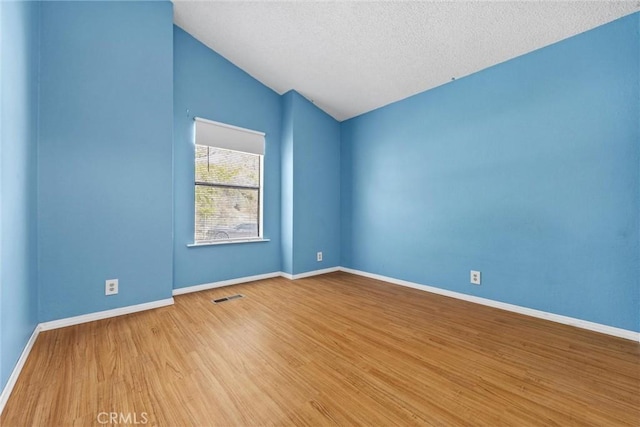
{"x":11,"y":382}
{"x":220,"y":284}
{"x":240,"y":280}
{"x":309,"y":273}
{"x":69,"y":321}
{"x":579,"y":323}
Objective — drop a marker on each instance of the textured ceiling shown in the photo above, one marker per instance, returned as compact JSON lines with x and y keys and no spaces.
{"x":351,"y":57}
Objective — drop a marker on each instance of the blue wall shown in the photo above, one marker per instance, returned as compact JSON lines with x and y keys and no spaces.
{"x":105,"y":155}
{"x":19,"y":35}
{"x":311,"y":186}
{"x":286,"y":176}
{"x":527,"y":171}
{"x":209,"y":86}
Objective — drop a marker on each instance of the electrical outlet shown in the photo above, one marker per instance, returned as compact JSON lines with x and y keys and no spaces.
{"x":319,"y":256}
{"x":475,"y":277}
{"x":111,"y":287}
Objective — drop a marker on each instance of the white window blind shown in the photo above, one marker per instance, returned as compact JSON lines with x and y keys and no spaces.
{"x":220,"y":135}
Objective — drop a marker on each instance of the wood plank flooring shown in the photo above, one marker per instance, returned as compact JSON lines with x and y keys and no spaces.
{"x":336,"y":349}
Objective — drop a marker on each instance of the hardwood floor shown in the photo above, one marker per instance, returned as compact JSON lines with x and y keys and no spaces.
{"x":333,"y":349}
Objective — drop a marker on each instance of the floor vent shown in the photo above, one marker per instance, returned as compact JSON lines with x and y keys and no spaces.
{"x":229,"y":298}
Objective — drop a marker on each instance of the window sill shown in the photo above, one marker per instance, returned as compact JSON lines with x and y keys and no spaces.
{"x":226,"y":242}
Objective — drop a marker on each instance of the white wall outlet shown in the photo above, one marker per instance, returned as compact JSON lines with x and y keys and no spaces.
{"x":475,"y":277}
{"x":319,"y":256}
{"x":111,"y":287}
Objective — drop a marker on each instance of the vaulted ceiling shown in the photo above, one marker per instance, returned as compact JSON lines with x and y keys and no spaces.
{"x":350,"y":57}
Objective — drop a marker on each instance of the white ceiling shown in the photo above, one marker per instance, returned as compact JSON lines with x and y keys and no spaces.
{"x":350,"y":57}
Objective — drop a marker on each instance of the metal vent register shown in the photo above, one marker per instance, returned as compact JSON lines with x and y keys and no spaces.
{"x":229,"y":298}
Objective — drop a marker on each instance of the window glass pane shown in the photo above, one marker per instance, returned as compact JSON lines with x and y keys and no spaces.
{"x":218,"y":166}
{"x":226,"y":213}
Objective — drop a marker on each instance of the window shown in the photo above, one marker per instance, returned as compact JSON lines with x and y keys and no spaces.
{"x":228,"y":182}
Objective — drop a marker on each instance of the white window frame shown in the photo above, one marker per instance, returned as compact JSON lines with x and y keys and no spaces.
{"x":227,"y":137}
